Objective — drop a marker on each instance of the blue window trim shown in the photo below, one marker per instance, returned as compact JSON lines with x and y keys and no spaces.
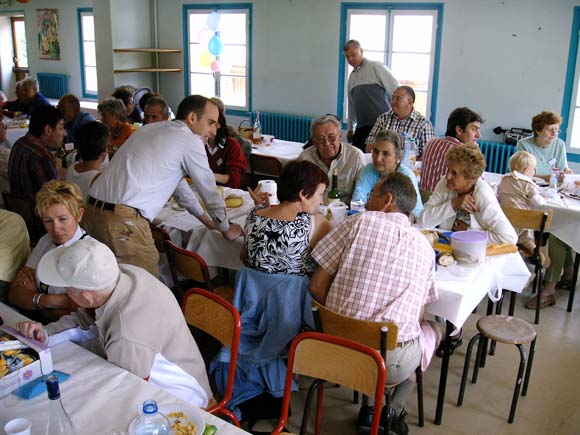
{"x":570,"y":76}
{"x":217,"y":7}
{"x":345,"y":7}
{"x":88,"y":95}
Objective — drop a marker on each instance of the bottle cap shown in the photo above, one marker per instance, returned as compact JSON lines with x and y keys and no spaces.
{"x":52,"y":387}
{"x":149,"y":407}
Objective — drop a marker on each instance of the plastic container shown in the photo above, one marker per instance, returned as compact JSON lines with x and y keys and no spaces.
{"x":358,"y":201}
{"x":469,"y":247}
{"x":151,"y":422}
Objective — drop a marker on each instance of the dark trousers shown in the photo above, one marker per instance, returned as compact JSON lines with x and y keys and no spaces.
{"x":360,"y":136}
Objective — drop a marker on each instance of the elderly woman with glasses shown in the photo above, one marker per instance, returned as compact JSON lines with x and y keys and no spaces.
{"x":548,"y":149}
{"x":462,"y":200}
{"x":113,"y":114}
{"x":60,"y":205}
{"x":387,"y":152}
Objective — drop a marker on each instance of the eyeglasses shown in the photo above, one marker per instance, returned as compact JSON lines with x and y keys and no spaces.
{"x":553,"y":130}
{"x":397,"y":99}
{"x":331,"y":138}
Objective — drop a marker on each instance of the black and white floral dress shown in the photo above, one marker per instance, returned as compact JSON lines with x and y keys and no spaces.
{"x":279,"y":246}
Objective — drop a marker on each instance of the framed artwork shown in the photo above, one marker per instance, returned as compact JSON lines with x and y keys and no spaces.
{"x":48,"y":39}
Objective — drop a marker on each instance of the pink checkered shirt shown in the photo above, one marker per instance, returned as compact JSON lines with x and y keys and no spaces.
{"x":433,"y":166}
{"x":384,"y":270}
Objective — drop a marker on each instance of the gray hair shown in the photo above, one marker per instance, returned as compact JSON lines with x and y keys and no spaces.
{"x":325,"y":119}
{"x":403,"y":191}
{"x":395,"y":138}
{"x":29,"y":82}
{"x":158,"y":101}
{"x":351,"y":43}
{"x":113,"y":106}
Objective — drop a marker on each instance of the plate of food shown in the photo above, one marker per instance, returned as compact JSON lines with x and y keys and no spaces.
{"x":540,"y":181}
{"x":184,"y":419}
{"x":572,"y":195}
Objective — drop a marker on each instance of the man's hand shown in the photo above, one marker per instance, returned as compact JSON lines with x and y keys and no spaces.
{"x":568,"y":171}
{"x":349,"y":136}
{"x":33,"y":330}
{"x":259,"y":197}
{"x":465,"y":202}
{"x":26,"y":279}
{"x":233,"y":232}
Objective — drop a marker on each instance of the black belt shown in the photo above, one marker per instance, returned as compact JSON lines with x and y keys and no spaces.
{"x":109,"y":206}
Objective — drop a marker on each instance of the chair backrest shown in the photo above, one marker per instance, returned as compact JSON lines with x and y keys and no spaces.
{"x":336,"y":360}
{"x":265,"y":165}
{"x":188,"y":263}
{"x":22,"y":207}
{"x":364,"y":332}
{"x":537,"y":220}
{"x":159,"y":237}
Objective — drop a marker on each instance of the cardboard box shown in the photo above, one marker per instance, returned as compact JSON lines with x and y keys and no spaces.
{"x":26,"y":374}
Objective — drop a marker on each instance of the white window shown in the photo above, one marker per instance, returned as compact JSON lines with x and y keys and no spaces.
{"x":404,"y":40}
{"x":88,"y":53}
{"x":223,"y":73}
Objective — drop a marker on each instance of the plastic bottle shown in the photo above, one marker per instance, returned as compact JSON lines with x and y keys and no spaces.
{"x":152,"y":422}
{"x":59,"y":423}
{"x":412,"y":153}
{"x":357,"y":202}
{"x":257,"y":130}
{"x":554,"y":182}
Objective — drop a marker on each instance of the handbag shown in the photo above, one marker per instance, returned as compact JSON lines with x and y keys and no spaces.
{"x":246,"y":132}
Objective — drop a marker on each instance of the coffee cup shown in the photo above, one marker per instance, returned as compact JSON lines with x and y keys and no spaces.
{"x":18,"y":426}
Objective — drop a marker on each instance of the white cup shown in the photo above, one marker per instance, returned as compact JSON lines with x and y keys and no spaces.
{"x":338,"y":210}
{"x":18,"y":426}
{"x":270,"y":187}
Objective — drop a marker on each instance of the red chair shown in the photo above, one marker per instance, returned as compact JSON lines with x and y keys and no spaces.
{"x":217,"y":317}
{"x":336,"y":360}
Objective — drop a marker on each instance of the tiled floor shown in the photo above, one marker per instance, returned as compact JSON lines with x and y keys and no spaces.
{"x":552,"y":405}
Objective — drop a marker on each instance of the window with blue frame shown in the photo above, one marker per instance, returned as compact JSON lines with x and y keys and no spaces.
{"x":218,"y":53}
{"x":404,"y":37}
{"x":571,"y":106}
{"x":88,"y":52}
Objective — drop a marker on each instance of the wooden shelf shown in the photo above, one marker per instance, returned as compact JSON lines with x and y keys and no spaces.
{"x":130,"y":70}
{"x":146,"y":50}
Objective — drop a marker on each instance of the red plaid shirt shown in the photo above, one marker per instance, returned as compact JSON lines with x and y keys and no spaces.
{"x":433,"y":166}
{"x":384,"y":270}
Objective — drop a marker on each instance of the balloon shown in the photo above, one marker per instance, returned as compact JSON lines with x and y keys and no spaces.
{"x":215,"y":45}
{"x":213,"y":21}
{"x":215,"y":66}
{"x":206,"y":58}
{"x":204,"y":35}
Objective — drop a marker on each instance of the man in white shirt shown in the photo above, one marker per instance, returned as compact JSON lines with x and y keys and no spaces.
{"x":145,"y":172}
{"x":136,"y":319}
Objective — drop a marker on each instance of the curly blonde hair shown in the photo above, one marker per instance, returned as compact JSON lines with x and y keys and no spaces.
{"x":470,"y":156}
{"x":60,"y":192}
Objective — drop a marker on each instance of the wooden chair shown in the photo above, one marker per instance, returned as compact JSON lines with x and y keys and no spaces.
{"x":377,"y":335}
{"x":265,"y":167}
{"x":22,"y":207}
{"x":503,"y":329}
{"x":336,"y":360}
{"x":193,"y":267}
{"x":214,"y":315}
{"x":539,"y":221}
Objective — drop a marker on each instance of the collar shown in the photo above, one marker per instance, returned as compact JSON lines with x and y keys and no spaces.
{"x":79,"y":234}
{"x":364,"y":62}
{"x":104,"y":314}
{"x":411,"y":115}
{"x":519,"y":176}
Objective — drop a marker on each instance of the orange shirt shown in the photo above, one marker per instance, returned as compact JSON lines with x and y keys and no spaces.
{"x":116,"y":142}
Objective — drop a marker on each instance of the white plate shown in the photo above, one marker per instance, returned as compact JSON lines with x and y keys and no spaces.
{"x":571,"y":195}
{"x":540,"y":181}
{"x":193,"y":414}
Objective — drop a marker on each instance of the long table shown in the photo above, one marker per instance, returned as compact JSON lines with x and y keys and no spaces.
{"x":101,"y":398}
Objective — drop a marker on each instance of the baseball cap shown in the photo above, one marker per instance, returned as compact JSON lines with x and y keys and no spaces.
{"x":85,"y":265}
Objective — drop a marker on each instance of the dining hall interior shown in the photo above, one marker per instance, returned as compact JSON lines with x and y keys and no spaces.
{"x":280,"y":65}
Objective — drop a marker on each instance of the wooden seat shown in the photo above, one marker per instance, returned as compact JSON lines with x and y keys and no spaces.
{"x":377,"y":335}
{"x":336,"y":360}
{"x":194,"y":267}
{"x":502,"y":329}
{"x":265,"y":166}
{"x":217,"y":317}
{"x":539,"y":221}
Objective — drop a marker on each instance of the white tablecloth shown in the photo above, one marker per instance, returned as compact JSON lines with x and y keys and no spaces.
{"x":283,"y":150}
{"x":13,"y":134}
{"x":100,"y":397}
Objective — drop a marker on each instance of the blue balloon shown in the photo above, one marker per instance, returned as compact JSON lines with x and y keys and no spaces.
{"x":215,"y":45}
{"x":213,"y":21}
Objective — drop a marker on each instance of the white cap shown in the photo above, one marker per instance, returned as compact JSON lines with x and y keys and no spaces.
{"x":85,"y":265}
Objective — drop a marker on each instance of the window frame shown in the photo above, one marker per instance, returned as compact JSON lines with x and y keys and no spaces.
{"x":571,"y":88}
{"x":427,"y":7}
{"x":187,"y":8}
{"x":80,"y":13}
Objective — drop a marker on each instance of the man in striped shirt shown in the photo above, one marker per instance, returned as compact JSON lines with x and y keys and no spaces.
{"x":463,"y":126}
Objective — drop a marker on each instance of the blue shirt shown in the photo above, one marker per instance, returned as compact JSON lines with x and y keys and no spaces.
{"x":370,"y":176}
{"x":70,"y":127}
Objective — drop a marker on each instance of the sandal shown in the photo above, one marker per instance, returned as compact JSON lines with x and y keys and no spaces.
{"x":564,"y":284}
{"x":545,"y":301}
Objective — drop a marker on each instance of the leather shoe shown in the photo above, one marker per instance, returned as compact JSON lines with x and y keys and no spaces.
{"x":365,"y":419}
{"x":398,"y":424}
{"x":545,"y":301}
{"x":454,"y":343}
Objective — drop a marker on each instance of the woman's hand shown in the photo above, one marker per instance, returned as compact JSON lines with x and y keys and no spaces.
{"x":568,"y":171}
{"x":465,"y":202}
{"x":259,"y":197}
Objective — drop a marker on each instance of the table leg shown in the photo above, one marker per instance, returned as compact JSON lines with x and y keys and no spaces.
{"x":444,"y":369}
{"x":573,"y":283}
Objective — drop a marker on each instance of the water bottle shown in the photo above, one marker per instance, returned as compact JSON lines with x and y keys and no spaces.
{"x":554,"y":182}
{"x":59,"y":423}
{"x":257,"y":130}
{"x":152,"y":422}
{"x":412,"y":154}
{"x":357,"y":202}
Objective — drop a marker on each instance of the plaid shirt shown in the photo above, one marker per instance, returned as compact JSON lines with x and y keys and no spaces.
{"x":434,"y":166}
{"x":384,"y":270}
{"x":415,"y":125}
{"x":31,"y":164}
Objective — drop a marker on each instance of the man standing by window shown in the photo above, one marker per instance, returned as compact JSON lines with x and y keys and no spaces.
{"x":370,"y":87}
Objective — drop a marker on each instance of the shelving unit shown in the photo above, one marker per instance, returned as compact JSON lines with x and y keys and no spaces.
{"x":154,"y":69}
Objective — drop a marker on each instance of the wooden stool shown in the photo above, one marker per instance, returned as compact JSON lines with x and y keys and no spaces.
{"x":503,"y":329}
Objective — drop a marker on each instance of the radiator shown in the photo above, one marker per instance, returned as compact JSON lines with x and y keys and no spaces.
{"x":295,"y":128}
{"x":53,"y":85}
{"x":497,"y":156}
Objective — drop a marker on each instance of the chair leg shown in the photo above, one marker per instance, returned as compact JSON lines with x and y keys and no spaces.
{"x":481,"y":349}
{"x":388,"y":408}
{"x":466,"y":368}
{"x":230,"y":415}
{"x":307,"y":403}
{"x":483,"y":341}
{"x":319,"y":400}
{"x":518,"y":383}
{"x":419,"y":377}
{"x":573,"y":283}
{"x":355,"y":397}
{"x":498,"y":308}
{"x":538,"y":288}
{"x":512,"y":307}
{"x":529,"y":367}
